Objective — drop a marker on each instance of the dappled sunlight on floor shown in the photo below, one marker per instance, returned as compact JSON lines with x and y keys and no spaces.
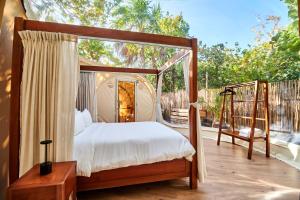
{"x":230,"y":176}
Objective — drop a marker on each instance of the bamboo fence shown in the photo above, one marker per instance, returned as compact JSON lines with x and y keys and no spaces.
{"x":284,"y":105}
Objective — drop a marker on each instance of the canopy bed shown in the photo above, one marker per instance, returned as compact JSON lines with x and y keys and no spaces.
{"x":173,"y":166}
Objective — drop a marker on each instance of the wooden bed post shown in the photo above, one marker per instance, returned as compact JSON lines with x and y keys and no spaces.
{"x":14,"y":126}
{"x":193,"y":95}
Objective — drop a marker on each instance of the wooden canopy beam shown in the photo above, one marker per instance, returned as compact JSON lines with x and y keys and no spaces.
{"x":118,"y":69}
{"x":176,"y":58}
{"x":109,"y":34}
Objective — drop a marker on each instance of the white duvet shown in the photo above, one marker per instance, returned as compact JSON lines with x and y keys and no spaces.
{"x":104,"y":146}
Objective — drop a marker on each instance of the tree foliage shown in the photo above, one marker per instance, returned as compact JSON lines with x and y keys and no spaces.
{"x":274,"y":57}
{"x":142,"y":16}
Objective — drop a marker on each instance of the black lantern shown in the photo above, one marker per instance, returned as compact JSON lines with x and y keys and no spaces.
{"x":46,"y":167}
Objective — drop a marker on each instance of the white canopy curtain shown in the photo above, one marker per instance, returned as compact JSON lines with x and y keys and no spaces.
{"x":202,"y":173}
{"x":48,"y":95}
{"x":87,"y":96}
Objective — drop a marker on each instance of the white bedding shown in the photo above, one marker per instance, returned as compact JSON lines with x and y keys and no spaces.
{"x":104,"y":146}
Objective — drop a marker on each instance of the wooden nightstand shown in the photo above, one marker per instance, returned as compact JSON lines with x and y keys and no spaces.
{"x":58,"y":185}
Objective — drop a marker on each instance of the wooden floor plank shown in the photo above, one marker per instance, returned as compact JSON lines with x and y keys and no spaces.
{"x":230,"y":176}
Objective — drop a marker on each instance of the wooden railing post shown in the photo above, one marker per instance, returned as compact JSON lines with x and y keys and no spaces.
{"x":253,"y":121}
{"x":221,"y":119}
{"x":267,"y":119}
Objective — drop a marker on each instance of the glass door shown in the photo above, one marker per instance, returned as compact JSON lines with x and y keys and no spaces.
{"x":126,"y":101}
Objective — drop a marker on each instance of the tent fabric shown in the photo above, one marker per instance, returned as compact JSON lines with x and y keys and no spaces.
{"x":87,"y":98}
{"x":106,"y":89}
{"x":48,"y":95}
{"x":202,"y":172}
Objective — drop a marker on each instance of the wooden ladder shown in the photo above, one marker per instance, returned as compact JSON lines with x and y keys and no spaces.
{"x":229,"y":91}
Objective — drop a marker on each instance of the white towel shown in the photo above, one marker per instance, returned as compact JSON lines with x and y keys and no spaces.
{"x":245,"y":132}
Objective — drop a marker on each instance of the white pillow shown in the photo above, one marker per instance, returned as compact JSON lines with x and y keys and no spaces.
{"x":87,"y":118}
{"x":246,"y":132}
{"x":79,"y":123}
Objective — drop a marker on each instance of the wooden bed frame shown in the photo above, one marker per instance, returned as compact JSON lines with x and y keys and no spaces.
{"x":160,"y":171}
{"x":166,"y":170}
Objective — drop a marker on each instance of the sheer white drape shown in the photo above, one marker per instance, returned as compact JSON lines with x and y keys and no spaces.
{"x":87,"y":97}
{"x":48,"y":95}
{"x":202,"y":172}
{"x":159,"y":117}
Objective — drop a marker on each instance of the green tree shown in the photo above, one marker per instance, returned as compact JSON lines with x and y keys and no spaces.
{"x":86,"y":12}
{"x":293,"y":12}
{"x":132,"y":15}
{"x":220,"y":64}
{"x":275,"y":56}
{"x":82,"y":12}
{"x":141,"y":16}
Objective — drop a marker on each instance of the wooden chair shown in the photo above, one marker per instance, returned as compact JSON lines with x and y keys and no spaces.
{"x":230,"y":91}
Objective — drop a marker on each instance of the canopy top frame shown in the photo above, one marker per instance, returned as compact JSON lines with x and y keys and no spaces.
{"x":87,"y":32}
{"x":171,"y":62}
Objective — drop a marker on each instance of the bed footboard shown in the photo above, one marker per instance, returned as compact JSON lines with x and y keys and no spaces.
{"x":160,"y":171}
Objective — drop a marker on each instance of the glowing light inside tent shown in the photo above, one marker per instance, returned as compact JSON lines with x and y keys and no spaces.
{"x":126,"y":101}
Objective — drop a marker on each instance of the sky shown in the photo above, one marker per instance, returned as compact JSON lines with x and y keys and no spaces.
{"x":220,"y":21}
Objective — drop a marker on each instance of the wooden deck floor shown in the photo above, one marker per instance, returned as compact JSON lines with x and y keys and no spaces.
{"x":230,"y":176}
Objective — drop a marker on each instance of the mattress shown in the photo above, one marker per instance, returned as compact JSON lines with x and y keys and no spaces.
{"x":104,"y":146}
